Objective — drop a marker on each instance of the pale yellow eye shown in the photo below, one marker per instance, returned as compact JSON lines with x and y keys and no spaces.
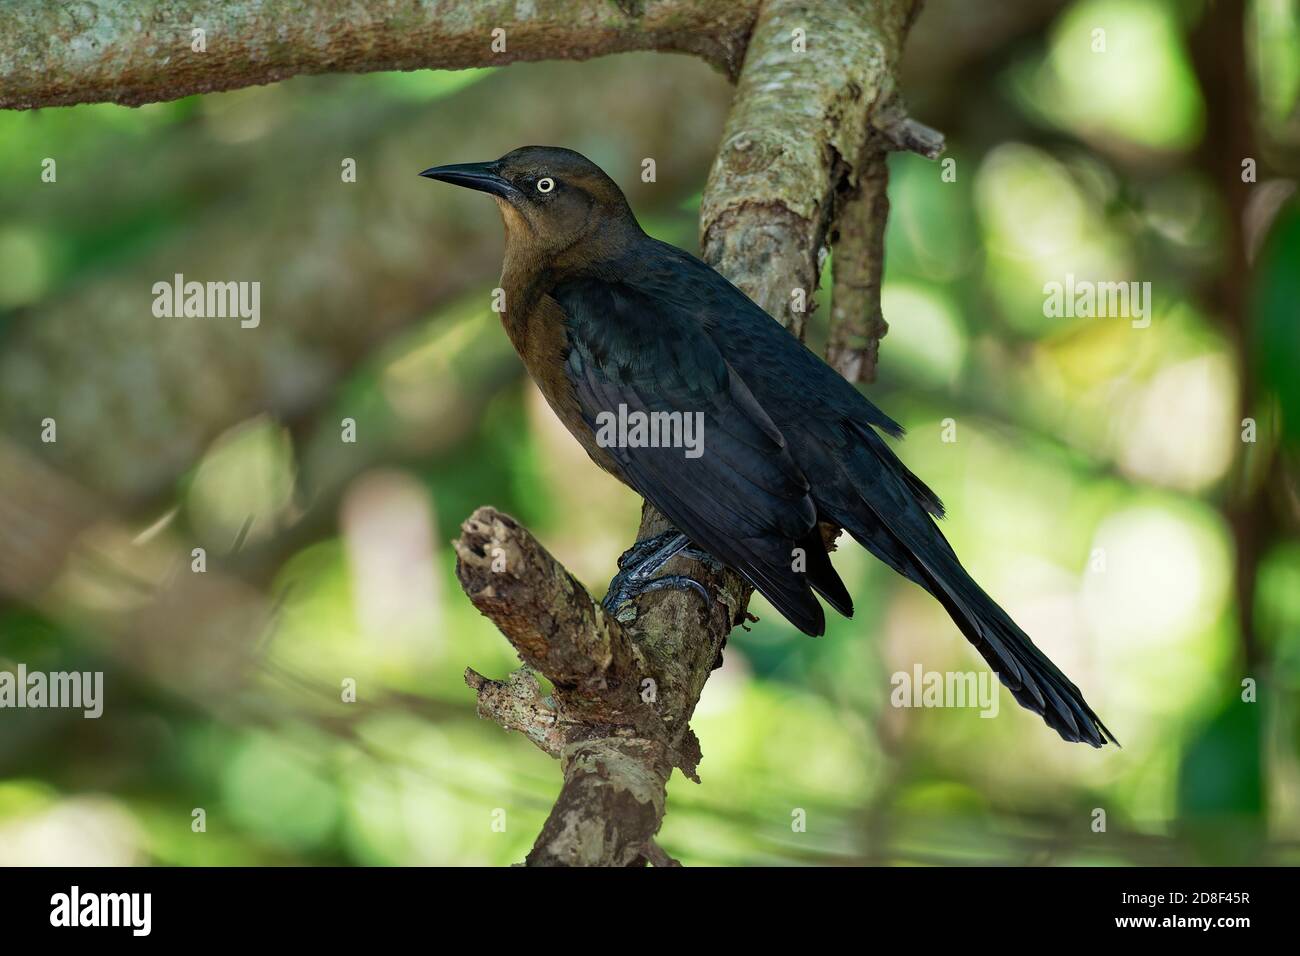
{"x":545,"y":184}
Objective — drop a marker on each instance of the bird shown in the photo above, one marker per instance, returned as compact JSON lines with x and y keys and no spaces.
{"x":688,"y":392}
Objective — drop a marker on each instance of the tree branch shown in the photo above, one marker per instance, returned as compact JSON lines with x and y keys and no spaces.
{"x":543,"y":611}
{"x":618,"y":711}
{"x":143,"y":51}
{"x":858,"y":240}
{"x":791,"y":143}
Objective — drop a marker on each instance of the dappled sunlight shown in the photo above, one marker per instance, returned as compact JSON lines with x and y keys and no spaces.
{"x":41,"y":829}
{"x":1040,"y":228}
{"x":930,"y":345}
{"x":1152,"y":101}
{"x":1183,"y":429}
{"x":1094,"y":383}
{"x":389,"y":531}
{"x":1154,"y":593}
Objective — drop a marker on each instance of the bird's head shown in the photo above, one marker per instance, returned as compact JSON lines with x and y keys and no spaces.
{"x":553,"y":200}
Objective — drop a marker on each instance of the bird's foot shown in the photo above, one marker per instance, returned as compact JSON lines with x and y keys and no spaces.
{"x":639,"y":563}
{"x":706,"y":559}
{"x":643,"y":548}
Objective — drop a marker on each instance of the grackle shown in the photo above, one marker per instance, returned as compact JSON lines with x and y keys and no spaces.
{"x":616,"y":326}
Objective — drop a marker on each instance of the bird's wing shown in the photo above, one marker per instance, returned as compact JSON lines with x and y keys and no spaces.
{"x":739,"y":496}
{"x":766,"y":349}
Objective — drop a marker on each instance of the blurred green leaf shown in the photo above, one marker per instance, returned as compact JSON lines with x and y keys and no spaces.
{"x":1221,"y":786}
{"x":1277,"y":318}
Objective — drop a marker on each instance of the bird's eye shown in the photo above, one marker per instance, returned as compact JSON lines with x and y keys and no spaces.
{"x":545,"y":184}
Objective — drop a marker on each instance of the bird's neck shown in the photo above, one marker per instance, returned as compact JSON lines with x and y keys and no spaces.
{"x":532,"y":268}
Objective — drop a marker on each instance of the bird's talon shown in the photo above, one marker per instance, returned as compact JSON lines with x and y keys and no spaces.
{"x":677,"y":581}
{"x":704,"y":558}
{"x":641,"y":561}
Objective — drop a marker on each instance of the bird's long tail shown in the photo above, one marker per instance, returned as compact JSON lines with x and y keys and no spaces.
{"x":1036,"y":683}
{"x":889,"y":518}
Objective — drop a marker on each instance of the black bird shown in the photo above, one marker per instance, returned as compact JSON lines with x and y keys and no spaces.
{"x":611,"y":322}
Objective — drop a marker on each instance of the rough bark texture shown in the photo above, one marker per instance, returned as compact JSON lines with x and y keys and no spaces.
{"x":815,"y":76}
{"x":131,"y":52}
{"x":858,"y":247}
{"x":619,"y":717}
{"x":858,"y":244}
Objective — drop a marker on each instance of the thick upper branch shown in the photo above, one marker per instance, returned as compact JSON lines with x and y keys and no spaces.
{"x":814,"y":76}
{"x":143,"y":51}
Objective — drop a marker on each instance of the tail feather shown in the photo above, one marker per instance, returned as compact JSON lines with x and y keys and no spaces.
{"x":885,"y":517}
{"x":821,"y":574}
{"x":1034,"y":681}
{"x":919,"y":489}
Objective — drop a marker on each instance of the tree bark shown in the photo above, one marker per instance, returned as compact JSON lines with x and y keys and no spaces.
{"x":133,"y":52}
{"x":858,"y":242}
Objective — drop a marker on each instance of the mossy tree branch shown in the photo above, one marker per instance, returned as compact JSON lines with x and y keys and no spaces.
{"x":133,"y":52}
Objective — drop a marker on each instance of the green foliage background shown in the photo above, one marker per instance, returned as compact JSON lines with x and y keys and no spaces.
{"x":1092,"y":487}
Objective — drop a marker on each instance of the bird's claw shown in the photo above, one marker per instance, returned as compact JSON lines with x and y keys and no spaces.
{"x":620,"y":592}
{"x":639,"y":563}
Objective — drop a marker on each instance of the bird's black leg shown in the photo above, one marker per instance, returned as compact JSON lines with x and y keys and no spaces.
{"x":638,"y":551}
{"x":640,"y":562}
{"x":646,"y":546}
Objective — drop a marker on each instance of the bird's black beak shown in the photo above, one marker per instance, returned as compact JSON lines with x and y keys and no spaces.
{"x":480,"y":176}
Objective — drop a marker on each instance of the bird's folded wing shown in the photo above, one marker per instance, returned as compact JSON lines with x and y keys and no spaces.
{"x":726,"y":478}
